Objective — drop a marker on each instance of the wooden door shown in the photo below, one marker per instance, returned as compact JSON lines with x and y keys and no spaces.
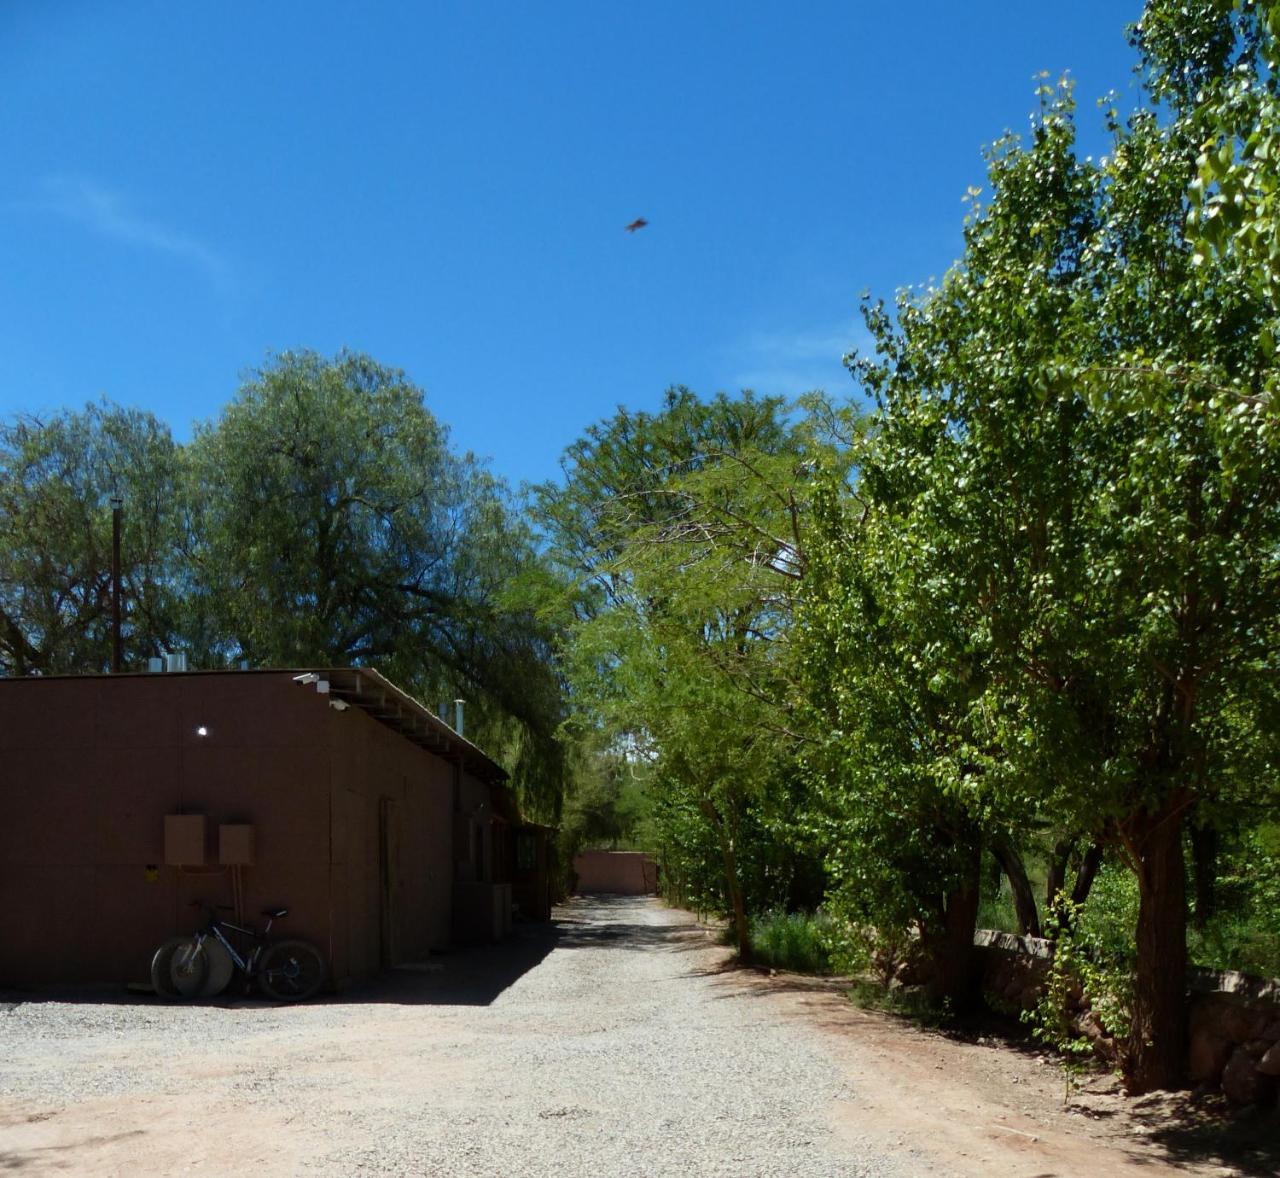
{"x":388,"y":874}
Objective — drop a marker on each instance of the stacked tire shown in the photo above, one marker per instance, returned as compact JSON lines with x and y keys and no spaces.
{"x":186,"y":968}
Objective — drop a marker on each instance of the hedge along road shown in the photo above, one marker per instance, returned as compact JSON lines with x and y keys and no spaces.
{"x":616,"y":1041}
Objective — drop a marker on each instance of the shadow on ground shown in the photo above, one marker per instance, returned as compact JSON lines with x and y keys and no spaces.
{"x":1193,"y":1129}
{"x":472,"y":975}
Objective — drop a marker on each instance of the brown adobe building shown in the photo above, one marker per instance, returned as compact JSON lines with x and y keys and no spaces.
{"x":124,"y":798}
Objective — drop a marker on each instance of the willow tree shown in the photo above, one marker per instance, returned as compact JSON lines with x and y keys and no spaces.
{"x":58,"y":478}
{"x":333,"y":523}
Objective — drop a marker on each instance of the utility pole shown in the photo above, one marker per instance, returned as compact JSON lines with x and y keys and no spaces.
{"x":117,"y":510}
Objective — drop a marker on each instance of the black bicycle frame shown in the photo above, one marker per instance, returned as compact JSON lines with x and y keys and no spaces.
{"x":246,"y":963}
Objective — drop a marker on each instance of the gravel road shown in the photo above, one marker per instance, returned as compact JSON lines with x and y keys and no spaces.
{"x":601,"y":1045}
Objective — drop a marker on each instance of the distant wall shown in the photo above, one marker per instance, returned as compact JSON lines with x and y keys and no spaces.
{"x":618,"y":873}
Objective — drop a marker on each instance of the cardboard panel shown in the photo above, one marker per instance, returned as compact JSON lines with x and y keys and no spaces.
{"x":184,"y":840}
{"x":235,"y":844}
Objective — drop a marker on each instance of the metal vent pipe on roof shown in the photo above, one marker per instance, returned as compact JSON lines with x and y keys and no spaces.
{"x":175,"y":661}
{"x":117,"y":510}
{"x":457,"y":715}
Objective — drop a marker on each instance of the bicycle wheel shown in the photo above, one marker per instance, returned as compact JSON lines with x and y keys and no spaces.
{"x":188,"y":968}
{"x":162,"y":965}
{"x":291,"y":971}
{"x":219,"y":971}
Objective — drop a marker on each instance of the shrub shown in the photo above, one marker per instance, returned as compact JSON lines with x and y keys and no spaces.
{"x":1092,"y":968}
{"x":796,"y":941}
{"x":1244,"y":933}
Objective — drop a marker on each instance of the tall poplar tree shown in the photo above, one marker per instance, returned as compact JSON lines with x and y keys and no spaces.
{"x":1074,"y":493}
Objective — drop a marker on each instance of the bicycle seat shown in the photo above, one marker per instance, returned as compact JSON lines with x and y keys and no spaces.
{"x":275,"y":913}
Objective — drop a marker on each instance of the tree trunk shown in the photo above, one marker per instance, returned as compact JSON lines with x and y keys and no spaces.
{"x":955,"y":977}
{"x":741,"y":930}
{"x":1204,"y":864}
{"x":1156,"y":1054}
{"x":1057,"y":879}
{"x":1024,"y":901}
{"x":1089,"y":866}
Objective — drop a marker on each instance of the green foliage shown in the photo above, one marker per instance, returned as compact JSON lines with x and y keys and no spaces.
{"x":995,"y":906}
{"x":1091,"y":970}
{"x":1234,"y":207}
{"x":608,"y":805}
{"x":794,"y":941}
{"x":57,"y":480}
{"x":1106,"y":922}
{"x":322,"y":519}
{"x":907,"y":1002}
{"x":332,"y":523}
{"x":683,"y":534}
{"x":1244,"y":932}
{"x":1054,"y":595}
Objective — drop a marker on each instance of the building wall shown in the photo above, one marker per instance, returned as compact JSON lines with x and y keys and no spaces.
{"x":481,"y":893}
{"x":473,"y":831}
{"x":392,"y":887}
{"x":621,"y":873}
{"x":89,"y":767}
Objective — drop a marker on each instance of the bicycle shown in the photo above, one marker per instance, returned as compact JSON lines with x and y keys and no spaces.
{"x":201,"y":966}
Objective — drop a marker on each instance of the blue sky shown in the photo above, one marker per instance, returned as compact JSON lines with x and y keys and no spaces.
{"x":444,"y":186}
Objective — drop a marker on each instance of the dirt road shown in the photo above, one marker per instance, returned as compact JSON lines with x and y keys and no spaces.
{"x":614,"y":1042}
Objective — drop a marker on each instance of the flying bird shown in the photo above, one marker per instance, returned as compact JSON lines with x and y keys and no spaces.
{"x":638,"y":223}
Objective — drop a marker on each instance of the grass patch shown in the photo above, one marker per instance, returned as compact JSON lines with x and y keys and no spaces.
{"x":995,"y":907}
{"x":908,"y":1002}
{"x":794,"y":941}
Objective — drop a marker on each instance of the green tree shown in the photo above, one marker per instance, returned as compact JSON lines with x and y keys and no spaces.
{"x":1235,"y":198}
{"x":333,"y":523}
{"x":1074,"y":491}
{"x":57,"y":480}
{"x":682,"y":533}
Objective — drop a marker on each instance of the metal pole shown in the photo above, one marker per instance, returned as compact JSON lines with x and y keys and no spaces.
{"x":117,"y":509}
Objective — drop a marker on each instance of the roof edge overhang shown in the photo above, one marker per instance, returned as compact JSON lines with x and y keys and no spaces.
{"x":360,"y":687}
{"x":394,"y":707}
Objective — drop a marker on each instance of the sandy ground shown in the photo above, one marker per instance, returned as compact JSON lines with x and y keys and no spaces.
{"x":986,"y":1104}
{"x":432,"y":1072}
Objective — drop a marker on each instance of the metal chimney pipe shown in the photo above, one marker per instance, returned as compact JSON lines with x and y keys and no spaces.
{"x":117,"y":510}
{"x":457,"y":715}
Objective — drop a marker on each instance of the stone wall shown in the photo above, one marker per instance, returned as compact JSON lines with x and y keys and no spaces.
{"x":1233,"y":1020}
{"x":1013,"y":968}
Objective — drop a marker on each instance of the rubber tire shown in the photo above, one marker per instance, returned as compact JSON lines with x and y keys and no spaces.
{"x":161,"y":968}
{"x":291,"y":971}
{"x":189,"y":968}
{"x":220,"y":968}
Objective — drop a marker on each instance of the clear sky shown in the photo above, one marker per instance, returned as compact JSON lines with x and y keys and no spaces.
{"x":444,"y":186}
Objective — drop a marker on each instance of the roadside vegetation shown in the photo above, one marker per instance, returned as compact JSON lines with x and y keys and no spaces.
{"x":991,"y":643}
{"x":998,"y":637}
